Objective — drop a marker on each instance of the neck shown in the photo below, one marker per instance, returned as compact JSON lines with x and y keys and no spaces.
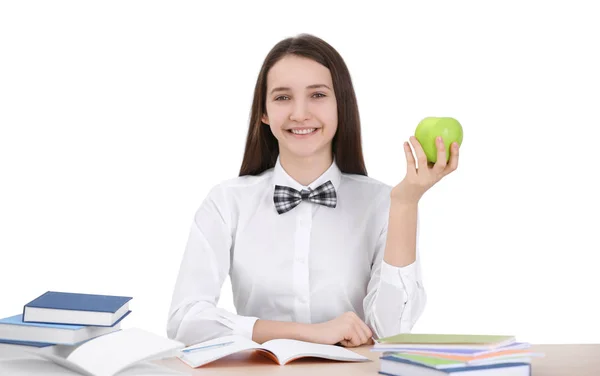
{"x":305,"y":170}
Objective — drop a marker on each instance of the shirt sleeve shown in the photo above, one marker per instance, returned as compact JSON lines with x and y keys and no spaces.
{"x":395,"y":295}
{"x":194,"y":316}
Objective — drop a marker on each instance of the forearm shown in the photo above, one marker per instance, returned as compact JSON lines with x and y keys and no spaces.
{"x":265,"y":330}
{"x":201,"y":321}
{"x":401,"y":242}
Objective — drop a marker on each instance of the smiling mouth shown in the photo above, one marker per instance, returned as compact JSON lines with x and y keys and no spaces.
{"x":301,"y":132}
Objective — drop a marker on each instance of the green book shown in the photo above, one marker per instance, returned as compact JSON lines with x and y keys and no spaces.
{"x":446,"y":340}
{"x":430,"y":361}
{"x":441,"y":363}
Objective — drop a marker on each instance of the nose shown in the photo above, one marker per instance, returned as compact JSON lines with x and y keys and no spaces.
{"x":300,"y":111}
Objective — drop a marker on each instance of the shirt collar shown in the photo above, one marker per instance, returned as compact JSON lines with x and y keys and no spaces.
{"x":281,"y":177}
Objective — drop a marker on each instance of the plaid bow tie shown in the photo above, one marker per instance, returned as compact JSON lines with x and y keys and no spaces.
{"x":287,"y":198}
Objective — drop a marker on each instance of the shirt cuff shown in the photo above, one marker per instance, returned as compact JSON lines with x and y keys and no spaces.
{"x":402,"y":276}
{"x":244,"y":326}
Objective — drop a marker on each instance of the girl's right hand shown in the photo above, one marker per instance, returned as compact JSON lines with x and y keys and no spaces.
{"x":347,"y":329}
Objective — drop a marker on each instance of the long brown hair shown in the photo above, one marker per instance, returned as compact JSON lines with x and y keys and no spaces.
{"x":262,"y":148}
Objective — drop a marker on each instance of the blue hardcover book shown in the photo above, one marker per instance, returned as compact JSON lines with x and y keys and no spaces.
{"x":13,"y":328}
{"x":394,"y":366}
{"x":76,"y":309}
{"x":26,"y":343}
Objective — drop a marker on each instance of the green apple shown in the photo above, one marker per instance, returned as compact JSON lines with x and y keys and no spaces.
{"x":432,"y":127}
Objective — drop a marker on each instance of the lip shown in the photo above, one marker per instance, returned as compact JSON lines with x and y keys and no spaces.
{"x":289,"y":131}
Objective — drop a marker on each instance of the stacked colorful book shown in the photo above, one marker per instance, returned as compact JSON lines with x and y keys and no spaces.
{"x":454,"y":354}
{"x":61,"y":318}
{"x":80,"y":332}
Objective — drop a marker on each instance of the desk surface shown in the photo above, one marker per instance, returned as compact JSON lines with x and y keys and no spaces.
{"x":580,"y":360}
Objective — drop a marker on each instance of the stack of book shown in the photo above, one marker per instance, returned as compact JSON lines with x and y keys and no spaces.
{"x":454,"y":354}
{"x":81,"y":333}
{"x":61,"y":318}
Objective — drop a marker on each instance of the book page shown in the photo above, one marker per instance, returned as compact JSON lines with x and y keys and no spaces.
{"x":290,"y":349}
{"x":34,"y":366}
{"x":21,"y":351}
{"x":109,"y":354}
{"x":209,"y":351}
{"x":42,"y":367}
{"x":64,"y":363}
{"x":149,"y":369}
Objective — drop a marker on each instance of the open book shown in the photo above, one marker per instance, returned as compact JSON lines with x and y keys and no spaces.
{"x":281,"y":351}
{"x":40,"y":367}
{"x":110,"y":354}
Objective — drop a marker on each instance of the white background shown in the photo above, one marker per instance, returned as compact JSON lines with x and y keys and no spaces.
{"x":118,"y":116}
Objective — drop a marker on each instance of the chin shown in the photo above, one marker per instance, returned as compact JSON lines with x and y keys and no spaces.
{"x":305,"y":152}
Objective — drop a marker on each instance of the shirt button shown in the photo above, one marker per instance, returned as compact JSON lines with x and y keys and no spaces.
{"x":300,"y":259}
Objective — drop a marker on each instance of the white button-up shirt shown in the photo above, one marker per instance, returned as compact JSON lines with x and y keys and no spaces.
{"x":308,"y":265}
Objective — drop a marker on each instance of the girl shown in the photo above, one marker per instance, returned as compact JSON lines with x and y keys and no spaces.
{"x":316,"y":250}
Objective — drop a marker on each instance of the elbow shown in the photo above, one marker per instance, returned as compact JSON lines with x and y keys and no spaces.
{"x":387,"y":321}
{"x":194,"y":323}
{"x":175,"y":323}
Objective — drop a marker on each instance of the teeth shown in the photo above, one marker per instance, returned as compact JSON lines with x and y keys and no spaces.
{"x":303,"y":131}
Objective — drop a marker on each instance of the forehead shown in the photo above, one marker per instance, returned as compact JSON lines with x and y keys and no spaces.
{"x":298,"y":71}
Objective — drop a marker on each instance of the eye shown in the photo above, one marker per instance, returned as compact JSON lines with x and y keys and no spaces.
{"x":319,"y":95}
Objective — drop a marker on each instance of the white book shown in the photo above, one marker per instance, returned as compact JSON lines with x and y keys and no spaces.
{"x":281,"y":351}
{"x":110,"y":354}
{"x":41,"y":367}
{"x":14,"y":351}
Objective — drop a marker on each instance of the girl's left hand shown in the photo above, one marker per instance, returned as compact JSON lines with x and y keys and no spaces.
{"x":418,"y":180}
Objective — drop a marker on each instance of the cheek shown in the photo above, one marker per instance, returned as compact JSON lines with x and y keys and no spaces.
{"x":274,"y":120}
{"x":331,"y":131}
{"x":329,"y":115}
{"x":332,"y":123}
{"x":276,"y":130}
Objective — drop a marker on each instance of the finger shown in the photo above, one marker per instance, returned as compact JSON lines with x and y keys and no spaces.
{"x":366,"y":330}
{"x":440,"y":164}
{"x":356,"y":340}
{"x":352,"y":335}
{"x":421,"y":157}
{"x":411,"y":165}
{"x":350,"y":341}
{"x":453,"y":162}
{"x":363,"y":329}
{"x":362,"y":336}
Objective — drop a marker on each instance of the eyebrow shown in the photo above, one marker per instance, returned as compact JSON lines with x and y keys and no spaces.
{"x":315,"y":86}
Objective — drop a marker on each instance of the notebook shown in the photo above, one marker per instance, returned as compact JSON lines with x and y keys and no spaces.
{"x":113,"y":353}
{"x":432,"y":341}
{"x":390,"y":365}
{"x":41,"y":367}
{"x":280,"y":351}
